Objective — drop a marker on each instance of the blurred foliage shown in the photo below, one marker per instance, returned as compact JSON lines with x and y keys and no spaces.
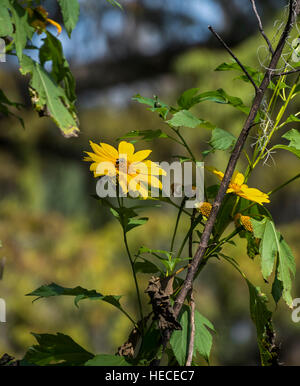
{"x":53,"y":231}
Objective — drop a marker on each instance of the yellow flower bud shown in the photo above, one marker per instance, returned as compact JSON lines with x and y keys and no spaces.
{"x":204,"y":208}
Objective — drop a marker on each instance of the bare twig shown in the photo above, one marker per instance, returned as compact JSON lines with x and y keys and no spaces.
{"x":192,"y":337}
{"x":261,"y":27}
{"x":234,"y":57}
{"x":287,"y":72}
{"x":191,"y":235}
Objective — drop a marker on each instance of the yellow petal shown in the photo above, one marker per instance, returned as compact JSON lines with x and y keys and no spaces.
{"x":109,"y":150}
{"x":237,"y":178}
{"x":140,"y":155}
{"x":154,"y":169}
{"x":219,"y":174}
{"x":98,"y":150}
{"x":126,"y":148}
{"x":95,"y":157}
{"x":253,"y":194}
{"x":151,"y":181}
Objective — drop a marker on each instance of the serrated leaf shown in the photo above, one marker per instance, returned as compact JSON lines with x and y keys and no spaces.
{"x":294,"y":137}
{"x":107,"y":360}
{"x":186,"y":101}
{"x":146,"y":135}
{"x":184,"y":118}
{"x":203,"y":338}
{"x":292,"y":118}
{"x":180,"y":338}
{"x":78,"y":293}
{"x":261,"y":317}
{"x":257,"y":76}
{"x":52,"y":50}
{"x":288,"y":148}
{"x":156,"y":105}
{"x":273,"y":242}
{"x":268,"y":248}
{"x":70,"y":12}
{"x":6,"y":27}
{"x":145,"y":267}
{"x":22,"y":29}
{"x":56,"y":349}
{"x":49,"y":98}
{"x":222,"y":140}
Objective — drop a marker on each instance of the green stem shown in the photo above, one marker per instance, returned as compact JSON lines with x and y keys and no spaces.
{"x":284,"y":184}
{"x":177,"y":223}
{"x":135,"y":279}
{"x":185,"y":144}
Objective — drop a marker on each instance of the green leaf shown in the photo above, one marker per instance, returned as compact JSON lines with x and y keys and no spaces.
{"x":261,"y":317}
{"x":49,"y":98}
{"x":180,"y":338}
{"x":22,"y":29}
{"x":184,"y":118}
{"x":203,"y":338}
{"x":5,"y":103}
{"x":56,"y":349}
{"x":272,"y":242}
{"x":52,"y":51}
{"x":294,"y":146}
{"x":156,"y":105}
{"x":218,"y":96}
{"x":126,"y":217}
{"x":79,"y":293}
{"x":70,"y":12}
{"x":257,"y":76}
{"x":155,"y":252}
{"x":115,"y":3}
{"x":107,"y":360}
{"x":145,"y":267}
{"x":6,"y":27}
{"x":294,"y":137}
{"x":288,"y":148}
{"x":292,"y":118}
{"x":186,"y":99}
{"x":264,"y":230}
{"x":146,"y":135}
{"x":222,"y":140}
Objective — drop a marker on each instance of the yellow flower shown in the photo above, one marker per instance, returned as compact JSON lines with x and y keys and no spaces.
{"x":38,"y":19}
{"x":133,"y":171}
{"x":238,"y":187}
{"x":204,"y":208}
{"x":245,"y":221}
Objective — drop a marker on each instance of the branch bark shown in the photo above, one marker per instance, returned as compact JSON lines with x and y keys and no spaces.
{"x":294,"y":10}
{"x":192,"y":337}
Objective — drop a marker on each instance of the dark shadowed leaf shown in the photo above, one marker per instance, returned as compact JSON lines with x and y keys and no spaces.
{"x":56,"y":349}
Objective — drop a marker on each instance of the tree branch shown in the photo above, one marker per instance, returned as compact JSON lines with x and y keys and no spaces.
{"x":192,"y":337}
{"x":261,"y":27}
{"x":234,"y":56}
{"x":198,"y":257}
{"x":287,"y":73}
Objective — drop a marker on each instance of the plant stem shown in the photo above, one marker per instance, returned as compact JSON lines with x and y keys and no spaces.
{"x":284,"y":184}
{"x":135,"y":280}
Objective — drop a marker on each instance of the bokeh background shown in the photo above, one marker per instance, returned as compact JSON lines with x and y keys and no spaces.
{"x":51,"y":227}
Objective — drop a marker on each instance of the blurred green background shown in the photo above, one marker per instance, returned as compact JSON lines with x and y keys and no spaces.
{"x":52,"y":230}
